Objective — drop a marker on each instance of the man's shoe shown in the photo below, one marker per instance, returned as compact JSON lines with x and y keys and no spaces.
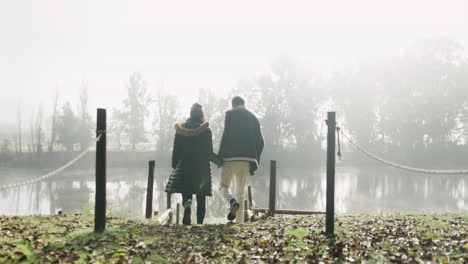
{"x":233,"y":210}
{"x":186,"y":220}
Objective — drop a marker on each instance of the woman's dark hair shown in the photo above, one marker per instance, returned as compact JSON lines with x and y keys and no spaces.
{"x":237,"y":100}
{"x":196,"y":112}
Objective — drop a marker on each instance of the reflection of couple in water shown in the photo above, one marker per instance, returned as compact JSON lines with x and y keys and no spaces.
{"x":239,"y":156}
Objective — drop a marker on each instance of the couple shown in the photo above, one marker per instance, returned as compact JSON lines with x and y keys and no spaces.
{"x":239,"y":156}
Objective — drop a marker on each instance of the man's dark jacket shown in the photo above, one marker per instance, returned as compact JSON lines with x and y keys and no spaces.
{"x":242,"y":136}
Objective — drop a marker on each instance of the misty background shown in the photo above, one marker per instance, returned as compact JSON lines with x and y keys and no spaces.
{"x":396,"y":73}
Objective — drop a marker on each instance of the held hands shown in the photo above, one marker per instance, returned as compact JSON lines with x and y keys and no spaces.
{"x":217,"y":160}
{"x":220,"y":162}
{"x":252,"y":168}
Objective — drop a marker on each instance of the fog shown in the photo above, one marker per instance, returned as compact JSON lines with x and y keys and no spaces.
{"x":185,"y":46}
{"x":396,"y":73}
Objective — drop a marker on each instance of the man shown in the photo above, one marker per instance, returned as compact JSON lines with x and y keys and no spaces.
{"x":241,"y":147}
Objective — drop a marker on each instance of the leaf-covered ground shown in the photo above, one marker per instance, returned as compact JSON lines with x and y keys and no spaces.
{"x":428,"y":238}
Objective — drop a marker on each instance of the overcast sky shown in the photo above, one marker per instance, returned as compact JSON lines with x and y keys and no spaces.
{"x":188,"y":45}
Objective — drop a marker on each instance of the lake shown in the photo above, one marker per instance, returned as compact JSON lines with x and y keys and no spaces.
{"x":371,"y":189}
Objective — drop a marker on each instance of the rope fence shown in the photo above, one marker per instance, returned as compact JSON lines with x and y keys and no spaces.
{"x":52,"y":173}
{"x":393,"y":164}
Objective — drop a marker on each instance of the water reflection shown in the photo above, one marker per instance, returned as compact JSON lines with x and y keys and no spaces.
{"x":358,"y":190}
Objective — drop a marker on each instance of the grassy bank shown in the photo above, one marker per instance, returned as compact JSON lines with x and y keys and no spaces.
{"x":436,"y":238}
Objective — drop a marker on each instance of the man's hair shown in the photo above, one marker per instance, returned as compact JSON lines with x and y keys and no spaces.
{"x":237,"y":100}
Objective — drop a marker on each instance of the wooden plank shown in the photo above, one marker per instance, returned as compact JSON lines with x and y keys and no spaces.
{"x":250,"y":215}
{"x":165,"y":216}
{"x":285,"y":211}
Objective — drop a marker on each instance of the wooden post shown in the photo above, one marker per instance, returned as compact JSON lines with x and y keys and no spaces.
{"x":272,"y":200}
{"x":169,"y":220}
{"x":149,"y":190}
{"x":100,"y":201}
{"x":169,"y":202}
{"x":246,"y":219}
{"x":249,"y":192}
{"x":178,"y":214}
{"x":330,"y":202}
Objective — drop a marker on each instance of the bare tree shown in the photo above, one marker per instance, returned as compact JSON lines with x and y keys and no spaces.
{"x":53,"y":130}
{"x":39,"y":132}
{"x":66,"y":127}
{"x":84,"y":126}
{"x":19,"y":120}
{"x":31,"y":130}
{"x":165,"y":118}
{"x":117,"y":127}
{"x":135,"y":109}
{"x":214,"y":109}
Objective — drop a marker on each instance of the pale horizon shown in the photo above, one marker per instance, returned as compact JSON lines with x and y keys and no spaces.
{"x":48,"y":45}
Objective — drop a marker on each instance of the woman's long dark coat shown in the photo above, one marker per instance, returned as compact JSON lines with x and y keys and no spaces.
{"x":192,"y":152}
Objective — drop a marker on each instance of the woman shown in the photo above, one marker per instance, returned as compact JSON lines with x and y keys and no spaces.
{"x":192,"y":152}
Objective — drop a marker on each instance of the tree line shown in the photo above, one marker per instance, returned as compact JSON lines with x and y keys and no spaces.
{"x":409,"y":107}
